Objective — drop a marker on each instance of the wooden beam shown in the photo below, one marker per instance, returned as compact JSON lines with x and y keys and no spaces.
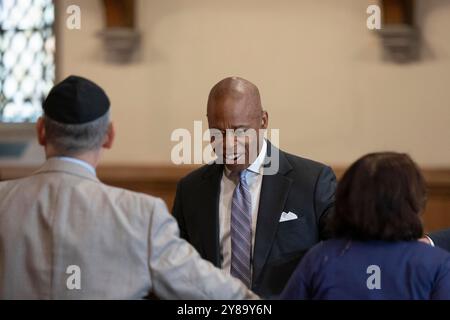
{"x":119,"y":13}
{"x":398,"y":12}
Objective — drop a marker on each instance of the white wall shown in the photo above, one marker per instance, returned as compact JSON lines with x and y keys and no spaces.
{"x":318,"y":68}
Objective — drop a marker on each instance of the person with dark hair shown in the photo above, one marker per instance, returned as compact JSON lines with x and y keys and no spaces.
{"x":375,"y":252}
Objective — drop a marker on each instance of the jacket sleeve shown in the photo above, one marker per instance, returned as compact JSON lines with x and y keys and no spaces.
{"x":325,"y":190}
{"x":177,"y":270}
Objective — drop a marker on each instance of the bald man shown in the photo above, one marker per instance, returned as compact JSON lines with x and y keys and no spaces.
{"x":254,"y":214}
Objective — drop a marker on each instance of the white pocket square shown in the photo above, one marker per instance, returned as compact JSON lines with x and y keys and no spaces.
{"x":288,"y":216}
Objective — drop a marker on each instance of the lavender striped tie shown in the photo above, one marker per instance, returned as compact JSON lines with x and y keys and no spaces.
{"x":241,"y":231}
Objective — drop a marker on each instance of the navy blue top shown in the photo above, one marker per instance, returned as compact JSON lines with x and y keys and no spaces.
{"x":343,"y":269}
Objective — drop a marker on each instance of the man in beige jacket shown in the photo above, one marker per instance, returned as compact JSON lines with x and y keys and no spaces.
{"x":65,"y":235}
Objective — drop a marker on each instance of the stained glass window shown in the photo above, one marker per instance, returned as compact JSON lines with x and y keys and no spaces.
{"x":27,"y":58}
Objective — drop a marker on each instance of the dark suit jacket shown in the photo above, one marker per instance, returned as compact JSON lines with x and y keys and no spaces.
{"x":301,"y":186}
{"x":441,"y":239}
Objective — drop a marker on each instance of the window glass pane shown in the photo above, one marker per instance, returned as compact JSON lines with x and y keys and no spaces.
{"x":27,"y":64}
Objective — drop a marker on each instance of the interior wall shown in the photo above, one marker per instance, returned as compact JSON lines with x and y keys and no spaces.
{"x":318,"y":67}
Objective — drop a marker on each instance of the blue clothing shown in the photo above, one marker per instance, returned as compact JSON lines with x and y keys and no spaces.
{"x":351,"y":270}
{"x":79,"y":162}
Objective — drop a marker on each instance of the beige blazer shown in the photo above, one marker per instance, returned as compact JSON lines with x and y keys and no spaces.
{"x":65,"y":235}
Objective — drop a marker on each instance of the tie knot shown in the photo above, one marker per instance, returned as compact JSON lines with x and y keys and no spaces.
{"x":243,"y":176}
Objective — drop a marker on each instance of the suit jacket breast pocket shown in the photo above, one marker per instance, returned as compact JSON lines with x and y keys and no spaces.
{"x":293,"y":236}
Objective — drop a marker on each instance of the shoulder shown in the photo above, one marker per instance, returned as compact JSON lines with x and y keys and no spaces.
{"x":5,"y":184}
{"x":21,"y":185}
{"x":432,"y":254}
{"x":429,"y":260}
{"x":330,"y":247}
{"x":130,"y":199}
{"x":301,"y":164}
{"x":306,"y":170}
{"x":324,"y":252}
{"x":198,"y":174}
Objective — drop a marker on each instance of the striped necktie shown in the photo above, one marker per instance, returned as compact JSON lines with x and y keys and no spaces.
{"x":241,"y":231}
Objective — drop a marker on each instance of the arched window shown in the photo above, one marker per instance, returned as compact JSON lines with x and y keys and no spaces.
{"x":27,"y":58}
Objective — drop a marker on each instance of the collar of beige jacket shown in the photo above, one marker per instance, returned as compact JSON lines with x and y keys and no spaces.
{"x":59,"y":165}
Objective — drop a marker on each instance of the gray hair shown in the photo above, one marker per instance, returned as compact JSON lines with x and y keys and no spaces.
{"x":69,"y":139}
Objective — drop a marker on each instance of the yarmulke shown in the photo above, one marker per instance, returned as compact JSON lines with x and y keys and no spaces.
{"x":76,"y":100}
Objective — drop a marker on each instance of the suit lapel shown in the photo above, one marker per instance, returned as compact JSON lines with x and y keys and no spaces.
{"x":210,"y":191}
{"x":274,"y":193}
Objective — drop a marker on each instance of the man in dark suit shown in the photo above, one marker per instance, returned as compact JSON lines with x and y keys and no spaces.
{"x":441,"y":239}
{"x":252,"y":214}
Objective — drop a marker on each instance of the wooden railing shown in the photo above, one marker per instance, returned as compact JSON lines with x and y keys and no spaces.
{"x":161,"y":180}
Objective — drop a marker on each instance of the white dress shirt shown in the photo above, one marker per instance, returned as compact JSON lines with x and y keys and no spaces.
{"x":227,"y":186}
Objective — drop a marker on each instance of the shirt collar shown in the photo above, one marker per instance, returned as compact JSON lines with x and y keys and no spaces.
{"x":79,"y":162}
{"x":259,"y":161}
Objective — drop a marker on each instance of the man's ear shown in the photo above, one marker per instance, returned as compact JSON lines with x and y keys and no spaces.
{"x":110,"y":135}
{"x":265,"y":120}
{"x":40,"y":130}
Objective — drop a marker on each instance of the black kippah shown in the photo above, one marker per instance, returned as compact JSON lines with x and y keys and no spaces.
{"x":76,"y":100}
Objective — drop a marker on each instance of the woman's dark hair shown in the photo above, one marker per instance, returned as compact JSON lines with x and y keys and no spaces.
{"x":380,"y":197}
